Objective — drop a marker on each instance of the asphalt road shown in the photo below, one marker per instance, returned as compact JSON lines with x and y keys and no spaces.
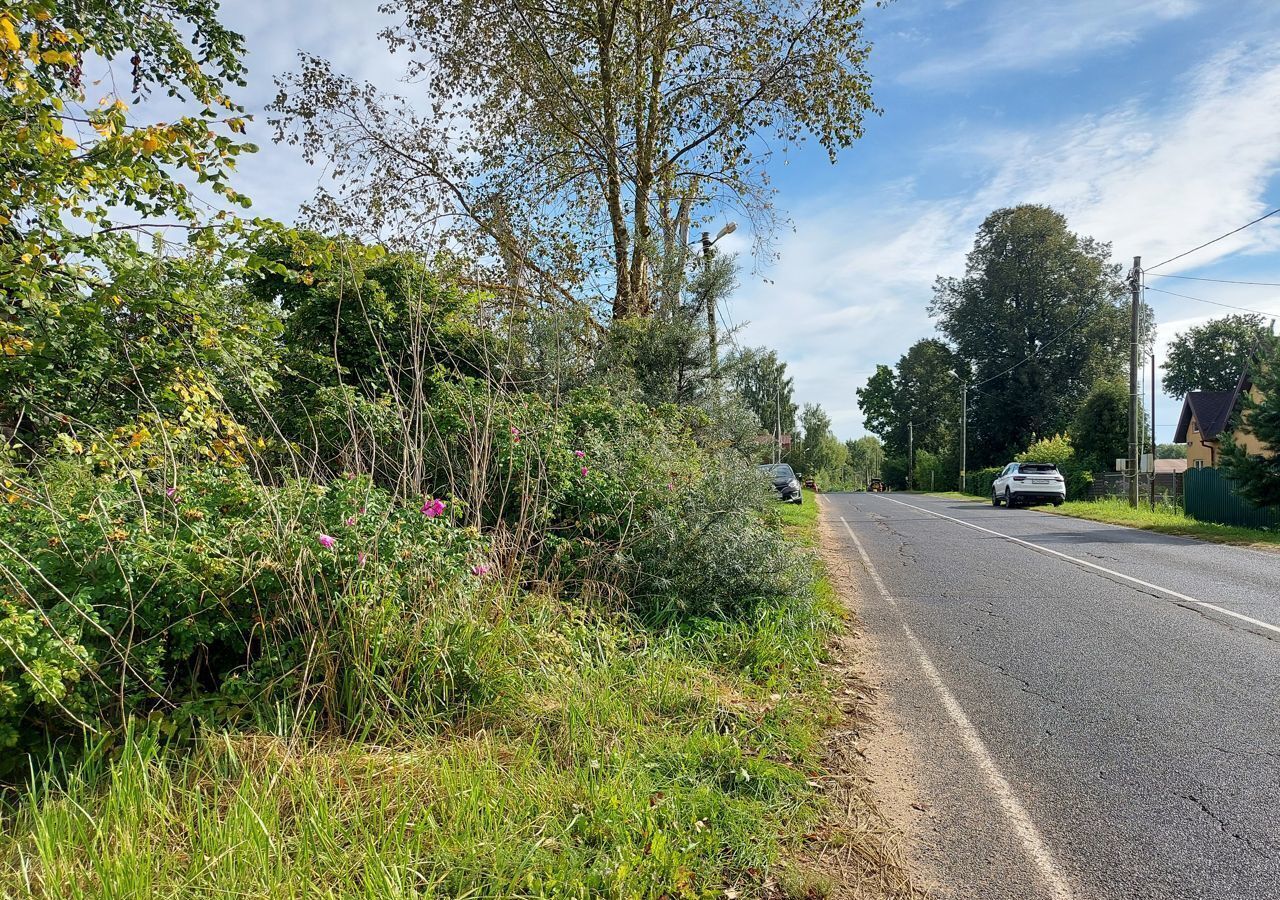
{"x":1075,"y":733}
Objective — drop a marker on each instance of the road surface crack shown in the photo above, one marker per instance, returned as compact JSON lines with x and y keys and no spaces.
{"x":1024,"y":684}
{"x":1227,"y":828}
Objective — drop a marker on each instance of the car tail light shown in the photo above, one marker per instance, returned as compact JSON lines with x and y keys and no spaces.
{"x":1019,"y":477}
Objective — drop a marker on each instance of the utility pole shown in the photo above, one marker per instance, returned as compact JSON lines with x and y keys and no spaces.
{"x":911,"y":456}
{"x":964,"y":434}
{"x":1135,"y":287}
{"x":777,"y":418}
{"x":1153,"y":432}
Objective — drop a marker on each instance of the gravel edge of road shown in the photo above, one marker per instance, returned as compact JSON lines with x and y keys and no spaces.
{"x":871,"y":806}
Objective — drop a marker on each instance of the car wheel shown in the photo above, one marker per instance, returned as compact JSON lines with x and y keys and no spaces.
{"x":1008,"y":498}
{"x":995,"y":498}
{"x":1057,"y":502}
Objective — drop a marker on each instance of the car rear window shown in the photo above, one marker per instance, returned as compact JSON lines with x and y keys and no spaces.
{"x":1032,"y":468}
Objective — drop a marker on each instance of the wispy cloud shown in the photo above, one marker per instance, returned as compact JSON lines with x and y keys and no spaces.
{"x":1154,"y":181}
{"x":1016,"y":35}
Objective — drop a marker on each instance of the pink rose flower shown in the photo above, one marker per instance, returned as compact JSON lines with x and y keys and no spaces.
{"x":579,"y":454}
{"x":351,"y":520}
{"x":585,"y":470}
{"x":432,"y":508}
{"x":326,"y":541}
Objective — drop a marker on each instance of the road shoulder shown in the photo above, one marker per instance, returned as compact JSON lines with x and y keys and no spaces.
{"x":870,"y":764}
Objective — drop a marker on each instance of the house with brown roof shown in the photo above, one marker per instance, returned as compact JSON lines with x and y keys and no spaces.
{"x":1207,"y":416}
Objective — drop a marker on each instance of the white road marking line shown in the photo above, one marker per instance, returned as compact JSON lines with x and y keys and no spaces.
{"x":1032,"y":842}
{"x":1258,"y":623}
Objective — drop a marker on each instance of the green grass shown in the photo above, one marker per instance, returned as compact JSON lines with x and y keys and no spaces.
{"x":611,"y":760}
{"x":1165,"y":520}
{"x":800,"y":521}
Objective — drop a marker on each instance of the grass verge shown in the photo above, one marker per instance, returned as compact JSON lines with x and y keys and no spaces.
{"x":1165,"y":520}
{"x":610,"y":759}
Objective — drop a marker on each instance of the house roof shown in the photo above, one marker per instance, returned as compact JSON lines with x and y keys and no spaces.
{"x":1213,"y":409}
{"x":1170,"y":466}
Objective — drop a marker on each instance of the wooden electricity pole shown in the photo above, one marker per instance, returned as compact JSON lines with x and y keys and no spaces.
{"x":1135,"y":287}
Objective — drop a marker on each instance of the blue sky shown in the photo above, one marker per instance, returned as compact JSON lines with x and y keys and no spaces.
{"x":1152,"y":124}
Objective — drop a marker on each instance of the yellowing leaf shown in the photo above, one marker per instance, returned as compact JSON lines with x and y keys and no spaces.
{"x":150,"y":144}
{"x":9,"y":35}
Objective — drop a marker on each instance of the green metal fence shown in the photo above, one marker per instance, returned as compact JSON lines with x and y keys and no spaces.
{"x":1211,"y":497}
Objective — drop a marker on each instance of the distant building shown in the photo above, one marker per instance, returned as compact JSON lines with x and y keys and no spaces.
{"x":768,"y":440}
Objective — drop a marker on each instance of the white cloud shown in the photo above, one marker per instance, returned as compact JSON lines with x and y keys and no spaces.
{"x":1017,"y":35}
{"x":853,"y":282}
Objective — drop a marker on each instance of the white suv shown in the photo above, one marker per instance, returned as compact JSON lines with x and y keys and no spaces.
{"x":1027,"y":483}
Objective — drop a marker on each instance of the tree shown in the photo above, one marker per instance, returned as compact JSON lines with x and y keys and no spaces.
{"x":84,"y":180}
{"x":1171,"y":451}
{"x":1257,"y":475}
{"x":1210,"y":357}
{"x":881,"y":411}
{"x":582,"y":140}
{"x":819,"y":449}
{"x":929,"y":376}
{"x":1100,"y":431}
{"x":1042,"y":314}
{"x":923,"y":392}
{"x":759,"y":377}
{"x":865,"y":456}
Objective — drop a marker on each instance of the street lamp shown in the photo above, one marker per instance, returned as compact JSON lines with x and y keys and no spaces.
{"x":712,"y":348}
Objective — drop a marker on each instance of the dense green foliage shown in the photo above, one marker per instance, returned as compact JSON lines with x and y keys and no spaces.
{"x":1100,"y":431}
{"x":1041,"y":314}
{"x":1257,"y":475}
{"x":760,"y":378}
{"x":1061,"y":452}
{"x":1210,"y":357}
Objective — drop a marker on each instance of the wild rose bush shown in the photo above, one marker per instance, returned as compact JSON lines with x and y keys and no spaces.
{"x":125,"y":597}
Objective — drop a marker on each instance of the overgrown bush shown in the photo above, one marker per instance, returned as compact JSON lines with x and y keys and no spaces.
{"x":1059,"y":451}
{"x":134,"y":596}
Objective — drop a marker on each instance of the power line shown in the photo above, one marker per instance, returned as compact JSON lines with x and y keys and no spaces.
{"x":1261,"y":312}
{"x":1214,"y":241}
{"x":1218,"y":280}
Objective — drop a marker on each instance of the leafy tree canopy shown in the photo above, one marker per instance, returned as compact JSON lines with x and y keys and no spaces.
{"x":1210,"y":357}
{"x":865,"y":456}
{"x":93,"y":319}
{"x":1100,"y":431}
{"x":579,"y":142}
{"x":760,"y":378}
{"x":924,"y":391}
{"x":1042,"y":313}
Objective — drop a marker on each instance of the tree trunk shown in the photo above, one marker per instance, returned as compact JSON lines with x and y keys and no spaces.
{"x":606,"y":19}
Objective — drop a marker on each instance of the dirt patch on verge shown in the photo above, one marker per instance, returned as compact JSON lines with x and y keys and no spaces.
{"x":860,"y":854}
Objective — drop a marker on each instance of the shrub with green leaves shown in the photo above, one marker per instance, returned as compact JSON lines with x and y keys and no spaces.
{"x":1059,"y":451}
{"x":214,"y":594}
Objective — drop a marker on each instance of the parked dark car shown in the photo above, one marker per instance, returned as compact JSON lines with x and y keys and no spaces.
{"x":784,"y":481}
{"x":876,"y":486}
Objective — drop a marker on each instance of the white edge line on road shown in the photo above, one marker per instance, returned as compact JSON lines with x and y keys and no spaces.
{"x":1257,"y":623}
{"x":1014,"y":811}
